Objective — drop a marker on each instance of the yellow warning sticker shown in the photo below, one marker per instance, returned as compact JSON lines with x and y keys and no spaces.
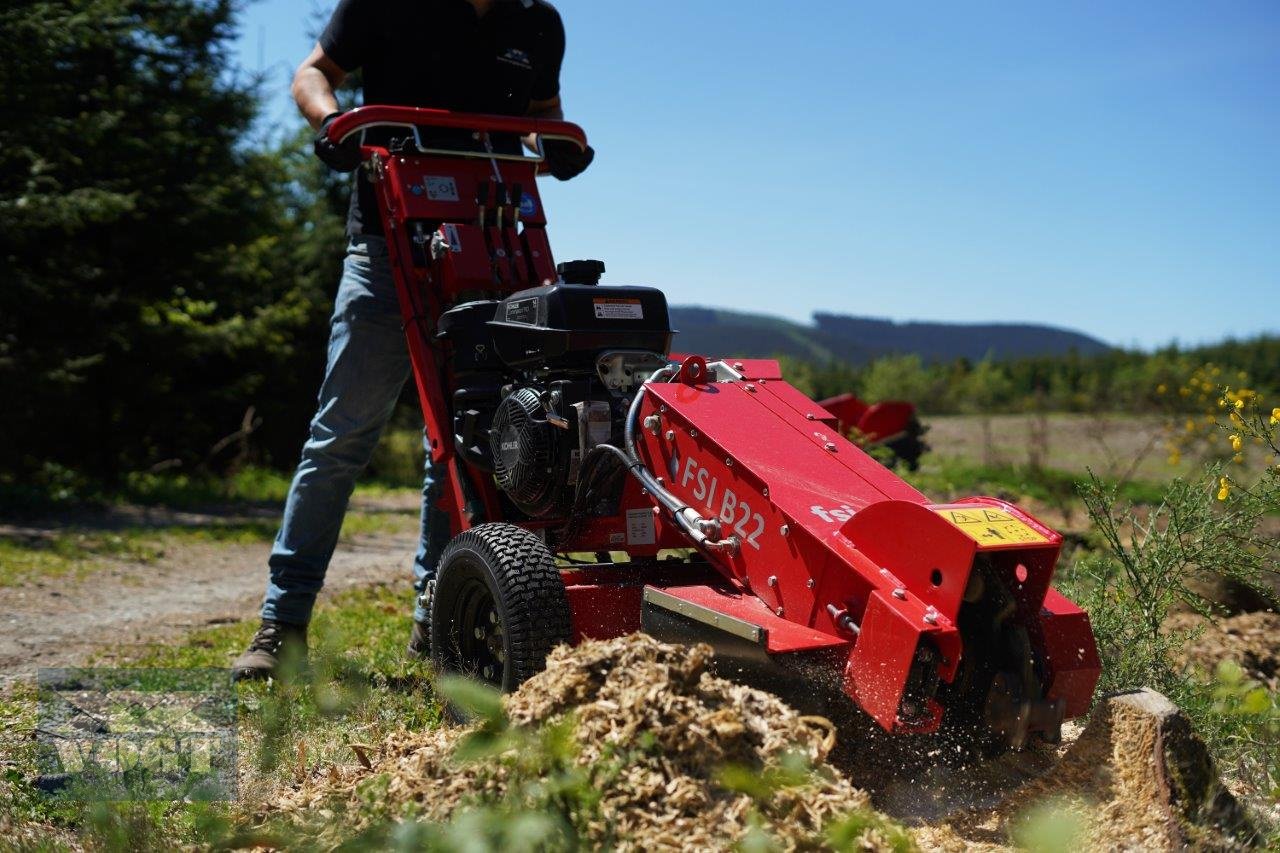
{"x":988,"y":526}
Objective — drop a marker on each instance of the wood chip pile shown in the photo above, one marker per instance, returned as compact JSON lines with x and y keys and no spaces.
{"x":1136,"y":778}
{"x":678,"y":726}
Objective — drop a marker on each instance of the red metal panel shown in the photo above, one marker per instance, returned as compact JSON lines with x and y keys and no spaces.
{"x":930,"y":557}
{"x":539,"y":248}
{"x":604,"y":611}
{"x":1070,"y":652}
{"x":846,"y":408}
{"x":466,"y":266}
{"x":885,"y":420}
{"x":881,"y":659}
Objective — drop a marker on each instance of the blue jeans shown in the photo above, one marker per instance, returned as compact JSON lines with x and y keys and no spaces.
{"x":367,"y":367}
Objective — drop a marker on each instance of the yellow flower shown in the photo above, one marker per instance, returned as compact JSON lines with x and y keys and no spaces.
{"x":1237,"y":420}
{"x":1161,"y":388}
{"x":1236,"y":443}
{"x":1224,"y":489}
{"x":1239,"y":405}
{"x":1238,"y":459}
{"x":1275,"y":416}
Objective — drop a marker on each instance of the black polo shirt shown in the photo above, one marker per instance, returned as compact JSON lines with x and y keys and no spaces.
{"x":440,"y":54}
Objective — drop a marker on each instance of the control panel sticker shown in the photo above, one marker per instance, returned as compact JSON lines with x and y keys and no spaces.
{"x":528,"y":205}
{"x":640,"y":527}
{"x":452,"y":238}
{"x":988,"y":526}
{"x":618,"y":309}
{"x":441,"y":188}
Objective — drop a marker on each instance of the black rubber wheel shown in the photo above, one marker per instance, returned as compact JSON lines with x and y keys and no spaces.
{"x":498,"y":606}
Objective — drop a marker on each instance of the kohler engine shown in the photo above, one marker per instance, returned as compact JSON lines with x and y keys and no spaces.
{"x":546,"y":375}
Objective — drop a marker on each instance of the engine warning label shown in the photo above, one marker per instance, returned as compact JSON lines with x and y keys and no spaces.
{"x":618,"y":309}
{"x":988,"y":526}
{"x":640,"y":527}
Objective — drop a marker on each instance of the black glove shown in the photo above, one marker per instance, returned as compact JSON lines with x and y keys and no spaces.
{"x":341,"y":157}
{"x":565,"y":159}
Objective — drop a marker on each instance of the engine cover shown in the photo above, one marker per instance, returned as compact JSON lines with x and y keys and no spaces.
{"x":567,"y":326}
{"x":530,"y":457}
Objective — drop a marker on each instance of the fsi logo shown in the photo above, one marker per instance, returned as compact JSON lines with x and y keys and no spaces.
{"x":731,"y":510}
{"x":528,"y":205}
{"x":840,"y":514}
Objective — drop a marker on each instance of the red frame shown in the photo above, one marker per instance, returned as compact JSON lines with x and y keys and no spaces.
{"x":822,"y":525}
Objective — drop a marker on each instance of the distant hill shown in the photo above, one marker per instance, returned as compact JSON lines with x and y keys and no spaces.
{"x":859,"y":339}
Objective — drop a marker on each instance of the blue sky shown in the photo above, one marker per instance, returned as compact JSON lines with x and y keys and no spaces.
{"x":1110,"y":167}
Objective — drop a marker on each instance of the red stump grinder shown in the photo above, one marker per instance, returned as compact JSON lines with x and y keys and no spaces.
{"x":890,"y":424}
{"x":596,"y":487}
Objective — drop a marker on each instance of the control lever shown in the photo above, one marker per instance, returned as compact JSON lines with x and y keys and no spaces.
{"x":482,"y":198}
{"x":517,"y":199}
{"x":500,"y":201}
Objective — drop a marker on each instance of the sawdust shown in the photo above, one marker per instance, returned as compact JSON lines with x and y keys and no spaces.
{"x":1136,"y":778}
{"x":679,"y":727}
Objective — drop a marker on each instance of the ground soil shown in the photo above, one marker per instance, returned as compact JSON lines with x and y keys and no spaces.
{"x":64,"y":621}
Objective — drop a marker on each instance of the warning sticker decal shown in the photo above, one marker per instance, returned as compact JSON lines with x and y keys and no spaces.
{"x":619,"y":309}
{"x":988,"y":526}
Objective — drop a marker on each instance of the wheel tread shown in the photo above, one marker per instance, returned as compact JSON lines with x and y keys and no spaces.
{"x":537,"y":615}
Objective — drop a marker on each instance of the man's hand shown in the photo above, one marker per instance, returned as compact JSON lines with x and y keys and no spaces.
{"x":565,"y":159}
{"x":339,"y":156}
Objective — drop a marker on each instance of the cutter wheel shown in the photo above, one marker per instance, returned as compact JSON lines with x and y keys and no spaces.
{"x":581,"y":455}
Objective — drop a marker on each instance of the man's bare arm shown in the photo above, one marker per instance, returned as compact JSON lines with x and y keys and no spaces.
{"x":313,"y":85}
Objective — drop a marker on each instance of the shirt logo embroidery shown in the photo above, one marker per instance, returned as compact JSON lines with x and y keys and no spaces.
{"x":515,"y":56}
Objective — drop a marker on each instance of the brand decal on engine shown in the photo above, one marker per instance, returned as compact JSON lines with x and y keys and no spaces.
{"x":618,"y":309}
{"x":988,"y":526}
{"x":723,"y":503}
{"x":523,"y":311}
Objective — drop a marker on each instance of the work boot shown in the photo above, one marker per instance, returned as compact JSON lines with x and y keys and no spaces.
{"x":420,"y":641}
{"x":276,"y":645}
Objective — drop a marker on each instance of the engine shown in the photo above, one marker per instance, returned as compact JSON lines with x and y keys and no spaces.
{"x":544,"y":377}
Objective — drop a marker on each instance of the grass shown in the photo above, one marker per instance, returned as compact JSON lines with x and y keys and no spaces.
{"x":361,"y":688}
{"x":948,"y":477}
{"x":78,"y":552}
{"x":61,"y":489}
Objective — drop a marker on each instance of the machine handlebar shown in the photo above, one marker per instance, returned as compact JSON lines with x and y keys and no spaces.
{"x":413,"y":118}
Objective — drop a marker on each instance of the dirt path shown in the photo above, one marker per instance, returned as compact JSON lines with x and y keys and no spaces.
{"x":63,"y":621}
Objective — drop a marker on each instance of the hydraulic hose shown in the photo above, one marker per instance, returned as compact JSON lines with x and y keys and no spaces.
{"x":697,"y":528}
